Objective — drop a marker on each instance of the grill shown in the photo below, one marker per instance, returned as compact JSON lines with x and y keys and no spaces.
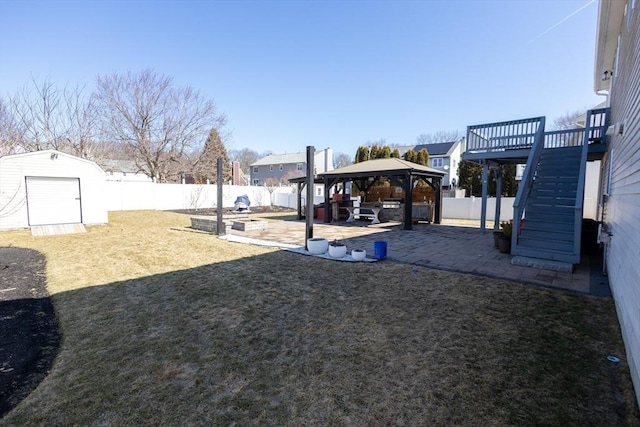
{"x":391,"y":203}
{"x":242,"y":203}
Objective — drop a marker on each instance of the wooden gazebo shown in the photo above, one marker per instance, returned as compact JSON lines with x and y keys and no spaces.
{"x":399,"y":172}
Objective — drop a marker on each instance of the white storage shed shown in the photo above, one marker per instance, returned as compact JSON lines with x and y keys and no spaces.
{"x":50,"y":187}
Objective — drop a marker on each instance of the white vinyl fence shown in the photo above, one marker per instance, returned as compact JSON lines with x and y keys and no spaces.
{"x":123,"y":196}
{"x":126,"y":196}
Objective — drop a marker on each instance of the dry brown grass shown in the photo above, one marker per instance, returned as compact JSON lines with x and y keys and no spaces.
{"x":186,"y":329}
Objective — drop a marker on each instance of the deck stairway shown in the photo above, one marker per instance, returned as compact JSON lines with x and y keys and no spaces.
{"x":549,"y":229}
{"x":549,"y":204}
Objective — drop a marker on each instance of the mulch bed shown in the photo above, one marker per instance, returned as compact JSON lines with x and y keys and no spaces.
{"x":29,"y":335}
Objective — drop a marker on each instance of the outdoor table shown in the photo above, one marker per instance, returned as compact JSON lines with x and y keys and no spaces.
{"x":357,"y":212}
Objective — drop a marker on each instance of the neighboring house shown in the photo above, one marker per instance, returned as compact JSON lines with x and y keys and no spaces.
{"x":123,"y":170}
{"x":617,"y":75}
{"x":280,"y":167}
{"x":445,"y":156}
{"x":50,"y":187}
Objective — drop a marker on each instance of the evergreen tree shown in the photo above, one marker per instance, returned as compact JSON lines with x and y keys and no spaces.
{"x":205,"y":166}
{"x":470,"y":177}
{"x":375,"y":152}
{"x":422,"y":157}
{"x":385,"y":152}
{"x":362,"y":154}
{"x":411,"y":156}
{"x":395,"y":153}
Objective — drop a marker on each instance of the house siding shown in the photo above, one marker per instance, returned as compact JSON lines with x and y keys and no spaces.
{"x":621,"y":212}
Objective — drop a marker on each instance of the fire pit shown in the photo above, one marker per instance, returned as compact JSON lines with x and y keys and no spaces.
{"x":249,"y":224}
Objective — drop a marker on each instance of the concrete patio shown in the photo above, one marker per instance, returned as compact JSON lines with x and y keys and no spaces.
{"x":446,"y":247}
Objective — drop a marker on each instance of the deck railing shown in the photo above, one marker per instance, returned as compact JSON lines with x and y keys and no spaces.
{"x":516,"y":134}
{"x":595,"y":127}
{"x":597,"y":123}
{"x":563,"y":138}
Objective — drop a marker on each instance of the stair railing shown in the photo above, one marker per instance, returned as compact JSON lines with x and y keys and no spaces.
{"x":524,"y":189}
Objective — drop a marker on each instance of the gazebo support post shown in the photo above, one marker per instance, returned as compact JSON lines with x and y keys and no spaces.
{"x":300,"y":187}
{"x":438,"y":189}
{"x":408,"y":201}
{"x":327,"y":200}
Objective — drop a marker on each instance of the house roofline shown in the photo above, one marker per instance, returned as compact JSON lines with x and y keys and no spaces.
{"x":610,"y":17}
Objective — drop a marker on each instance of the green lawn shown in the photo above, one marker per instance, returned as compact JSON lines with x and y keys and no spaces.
{"x":162,"y":325}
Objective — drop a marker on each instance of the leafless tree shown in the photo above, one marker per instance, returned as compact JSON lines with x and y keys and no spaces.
{"x":82,"y":123}
{"x":10,"y":135}
{"x":437,"y":137}
{"x":158,"y":122}
{"x":245,"y":157}
{"x":41,"y":115}
{"x":568,"y":120}
{"x":38,"y":111}
{"x":271,"y":184}
{"x":341,"y":160}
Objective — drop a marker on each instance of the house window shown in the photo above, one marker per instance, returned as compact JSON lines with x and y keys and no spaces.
{"x":255,"y":169}
{"x":281,"y":167}
{"x":270,"y":168}
{"x":299,"y":166}
{"x":255,"y":181}
{"x":318,"y":191}
{"x":436,"y":163}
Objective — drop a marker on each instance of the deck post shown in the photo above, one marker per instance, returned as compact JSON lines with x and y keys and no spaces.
{"x":219,"y":222}
{"x":496,"y":220}
{"x":485,"y":195}
{"x":309,"y":207}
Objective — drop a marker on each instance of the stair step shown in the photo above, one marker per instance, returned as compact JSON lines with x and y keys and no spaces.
{"x":552,"y":201}
{"x":548,"y":192}
{"x":552,"y":226}
{"x":564,"y":179}
{"x":559,"y":172}
{"x":549,"y":209}
{"x":547,"y":234}
{"x":549,"y":217}
{"x":547,"y":254}
{"x":544,"y":244}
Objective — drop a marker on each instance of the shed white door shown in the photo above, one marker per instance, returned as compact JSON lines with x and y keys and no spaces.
{"x":53,"y":200}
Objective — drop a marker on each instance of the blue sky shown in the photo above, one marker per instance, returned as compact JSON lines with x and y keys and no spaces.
{"x":325,"y":73}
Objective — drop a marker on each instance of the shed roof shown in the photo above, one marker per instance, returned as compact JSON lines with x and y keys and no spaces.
{"x":50,"y":153}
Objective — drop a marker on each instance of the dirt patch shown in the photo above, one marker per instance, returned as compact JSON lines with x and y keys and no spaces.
{"x":28,"y":327}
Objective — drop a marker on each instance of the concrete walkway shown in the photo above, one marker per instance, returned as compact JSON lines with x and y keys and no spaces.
{"x":445,"y":247}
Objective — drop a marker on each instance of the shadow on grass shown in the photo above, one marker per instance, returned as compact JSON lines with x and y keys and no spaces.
{"x":28,"y":328}
{"x":283,"y":339}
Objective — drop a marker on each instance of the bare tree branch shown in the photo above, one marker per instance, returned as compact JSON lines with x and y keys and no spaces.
{"x":160,"y":124}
